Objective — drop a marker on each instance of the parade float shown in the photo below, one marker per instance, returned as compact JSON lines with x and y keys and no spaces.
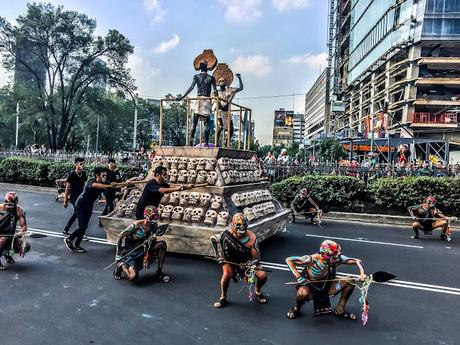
{"x":227,"y":181}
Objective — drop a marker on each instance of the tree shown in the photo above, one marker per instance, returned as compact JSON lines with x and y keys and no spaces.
{"x":174,"y":121}
{"x":68,"y":58}
{"x":331,"y":150}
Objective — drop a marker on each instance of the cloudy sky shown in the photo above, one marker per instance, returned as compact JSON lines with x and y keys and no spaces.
{"x":278,"y":46}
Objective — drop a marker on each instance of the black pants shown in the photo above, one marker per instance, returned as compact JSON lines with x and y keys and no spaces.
{"x":73,"y":217}
{"x":109,"y":200}
{"x":207,"y":129}
{"x":221,"y":130}
{"x":83,"y":216}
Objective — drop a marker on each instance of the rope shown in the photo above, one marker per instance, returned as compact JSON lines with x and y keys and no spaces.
{"x":364,"y":289}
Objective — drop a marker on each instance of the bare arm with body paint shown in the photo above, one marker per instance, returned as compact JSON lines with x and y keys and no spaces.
{"x":293,"y":261}
{"x":357,"y":262}
{"x":22,"y":219}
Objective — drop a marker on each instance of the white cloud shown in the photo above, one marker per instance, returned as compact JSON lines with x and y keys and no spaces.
{"x":311,"y":60}
{"x":156,"y":8}
{"x":284,"y":5}
{"x":256,"y":65}
{"x":241,"y":10}
{"x":143,"y":71}
{"x":163,"y":47}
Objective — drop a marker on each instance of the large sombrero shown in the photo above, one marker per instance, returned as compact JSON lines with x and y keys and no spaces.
{"x":223,"y":71}
{"x":206,"y":56}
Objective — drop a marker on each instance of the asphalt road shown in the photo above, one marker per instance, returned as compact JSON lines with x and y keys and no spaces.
{"x":54,"y":296}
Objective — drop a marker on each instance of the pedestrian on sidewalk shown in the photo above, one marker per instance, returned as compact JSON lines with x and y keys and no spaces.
{"x":74,"y":187}
{"x":84,"y":207}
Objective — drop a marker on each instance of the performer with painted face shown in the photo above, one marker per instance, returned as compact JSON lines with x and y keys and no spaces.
{"x":304,"y":205}
{"x":239,"y":255}
{"x":204,"y":62}
{"x":138,"y":248}
{"x":10,"y":241}
{"x":427,"y":217}
{"x":317,"y":280}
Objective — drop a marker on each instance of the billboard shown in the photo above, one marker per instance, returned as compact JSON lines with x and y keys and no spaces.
{"x":284,"y":118}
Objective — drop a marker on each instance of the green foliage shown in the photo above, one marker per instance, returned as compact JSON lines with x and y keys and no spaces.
{"x":44,"y":173}
{"x":404,"y":192}
{"x":331,"y":150}
{"x":345,"y":193}
{"x":330,"y":191}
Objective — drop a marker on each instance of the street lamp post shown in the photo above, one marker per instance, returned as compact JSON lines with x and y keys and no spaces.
{"x":17,"y":126}
{"x":135,"y":121}
{"x":97,"y":135}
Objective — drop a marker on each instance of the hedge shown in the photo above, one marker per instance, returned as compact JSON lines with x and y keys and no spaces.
{"x":43,"y":173}
{"x":392,"y":195}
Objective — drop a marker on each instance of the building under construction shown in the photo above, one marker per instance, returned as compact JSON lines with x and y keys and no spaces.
{"x":395,"y":68}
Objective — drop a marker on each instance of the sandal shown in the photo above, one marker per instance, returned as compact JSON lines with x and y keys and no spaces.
{"x":261,"y":298}
{"x":345,"y":315}
{"x":222,"y":302}
{"x":293,"y":313}
{"x":322,"y":311}
{"x":117,"y":272}
{"x":414,"y":237}
{"x":161,"y":277}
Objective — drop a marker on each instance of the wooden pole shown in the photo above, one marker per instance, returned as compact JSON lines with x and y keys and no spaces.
{"x":161,"y":122}
{"x":249,"y":129}
{"x":229,"y":122}
{"x":187,"y":126}
{"x":239,"y":131}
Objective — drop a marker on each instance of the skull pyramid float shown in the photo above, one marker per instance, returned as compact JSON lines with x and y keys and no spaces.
{"x":231,"y":184}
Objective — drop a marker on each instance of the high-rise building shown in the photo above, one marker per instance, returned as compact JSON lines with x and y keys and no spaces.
{"x":283,"y":127}
{"x":395,"y":66}
{"x":29,"y":69}
{"x":317,"y":108}
{"x":298,"y":128}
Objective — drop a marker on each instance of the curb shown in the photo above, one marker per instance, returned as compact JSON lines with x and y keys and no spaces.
{"x":376,"y":218}
{"x":28,"y":188}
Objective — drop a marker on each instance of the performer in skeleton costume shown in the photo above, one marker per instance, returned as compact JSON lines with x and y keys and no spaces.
{"x":10,"y":241}
{"x":321,"y":267}
{"x":204,"y":62}
{"x":428,"y":217}
{"x":303,"y":204}
{"x":239,"y":255}
{"x":137,"y":247}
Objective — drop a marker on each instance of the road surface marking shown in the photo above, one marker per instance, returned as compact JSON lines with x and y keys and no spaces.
{"x":366,"y":241}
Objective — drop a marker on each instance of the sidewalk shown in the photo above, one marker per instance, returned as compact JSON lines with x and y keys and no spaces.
{"x":28,"y":188}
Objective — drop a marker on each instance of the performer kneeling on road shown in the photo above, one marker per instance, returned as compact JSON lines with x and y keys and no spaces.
{"x":321,"y":267}
{"x":154,"y":190}
{"x":84,"y":207}
{"x":425,"y":219}
{"x":141,"y":248}
{"x":303,"y":205}
{"x":10,"y":214}
{"x":239,"y":256}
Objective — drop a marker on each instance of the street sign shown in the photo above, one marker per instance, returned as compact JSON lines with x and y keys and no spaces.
{"x":337,"y":106}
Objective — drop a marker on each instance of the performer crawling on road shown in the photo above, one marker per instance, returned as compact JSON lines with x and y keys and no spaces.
{"x":321,"y":267}
{"x":138,"y":248}
{"x":10,"y":214}
{"x":425,"y":219}
{"x":239,"y":256}
{"x":303,"y":205}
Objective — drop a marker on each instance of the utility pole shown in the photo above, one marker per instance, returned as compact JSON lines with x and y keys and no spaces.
{"x":135,"y":121}
{"x":17,"y":126}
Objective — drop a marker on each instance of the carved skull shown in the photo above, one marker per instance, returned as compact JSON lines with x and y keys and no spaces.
{"x":173,"y":175}
{"x":182,"y":163}
{"x":216,"y":202}
{"x":187,"y":217}
{"x":251,"y":197}
{"x":177,"y":213}
{"x":210,"y":164}
{"x":191,"y":178}
{"x":191,"y":164}
{"x":258,"y":195}
{"x":174,"y":162}
{"x":174,"y":198}
{"x":166,"y":162}
{"x":135,"y":193}
{"x":201,"y":164}
{"x":194,"y":198}
{"x":223,"y":163}
{"x":205,"y":200}
{"x":197,"y":215}
{"x":212,"y":178}
{"x":259,"y":210}
{"x":183,"y":199}
{"x":237,"y":199}
{"x":166,"y":214}
{"x":202,"y":176}
{"x":183,"y":175}
{"x":210,"y":217}
{"x":249,"y":213}
{"x":130,"y":210}
{"x":244,"y":176}
{"x":160,"y":209}
{"x":226,"y":177}
{"x":165,"y":199}
{"x":222,"y":218}
{"x":236,"y":176}
{"x":157,"y":161}
{"x":121,"y":210}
